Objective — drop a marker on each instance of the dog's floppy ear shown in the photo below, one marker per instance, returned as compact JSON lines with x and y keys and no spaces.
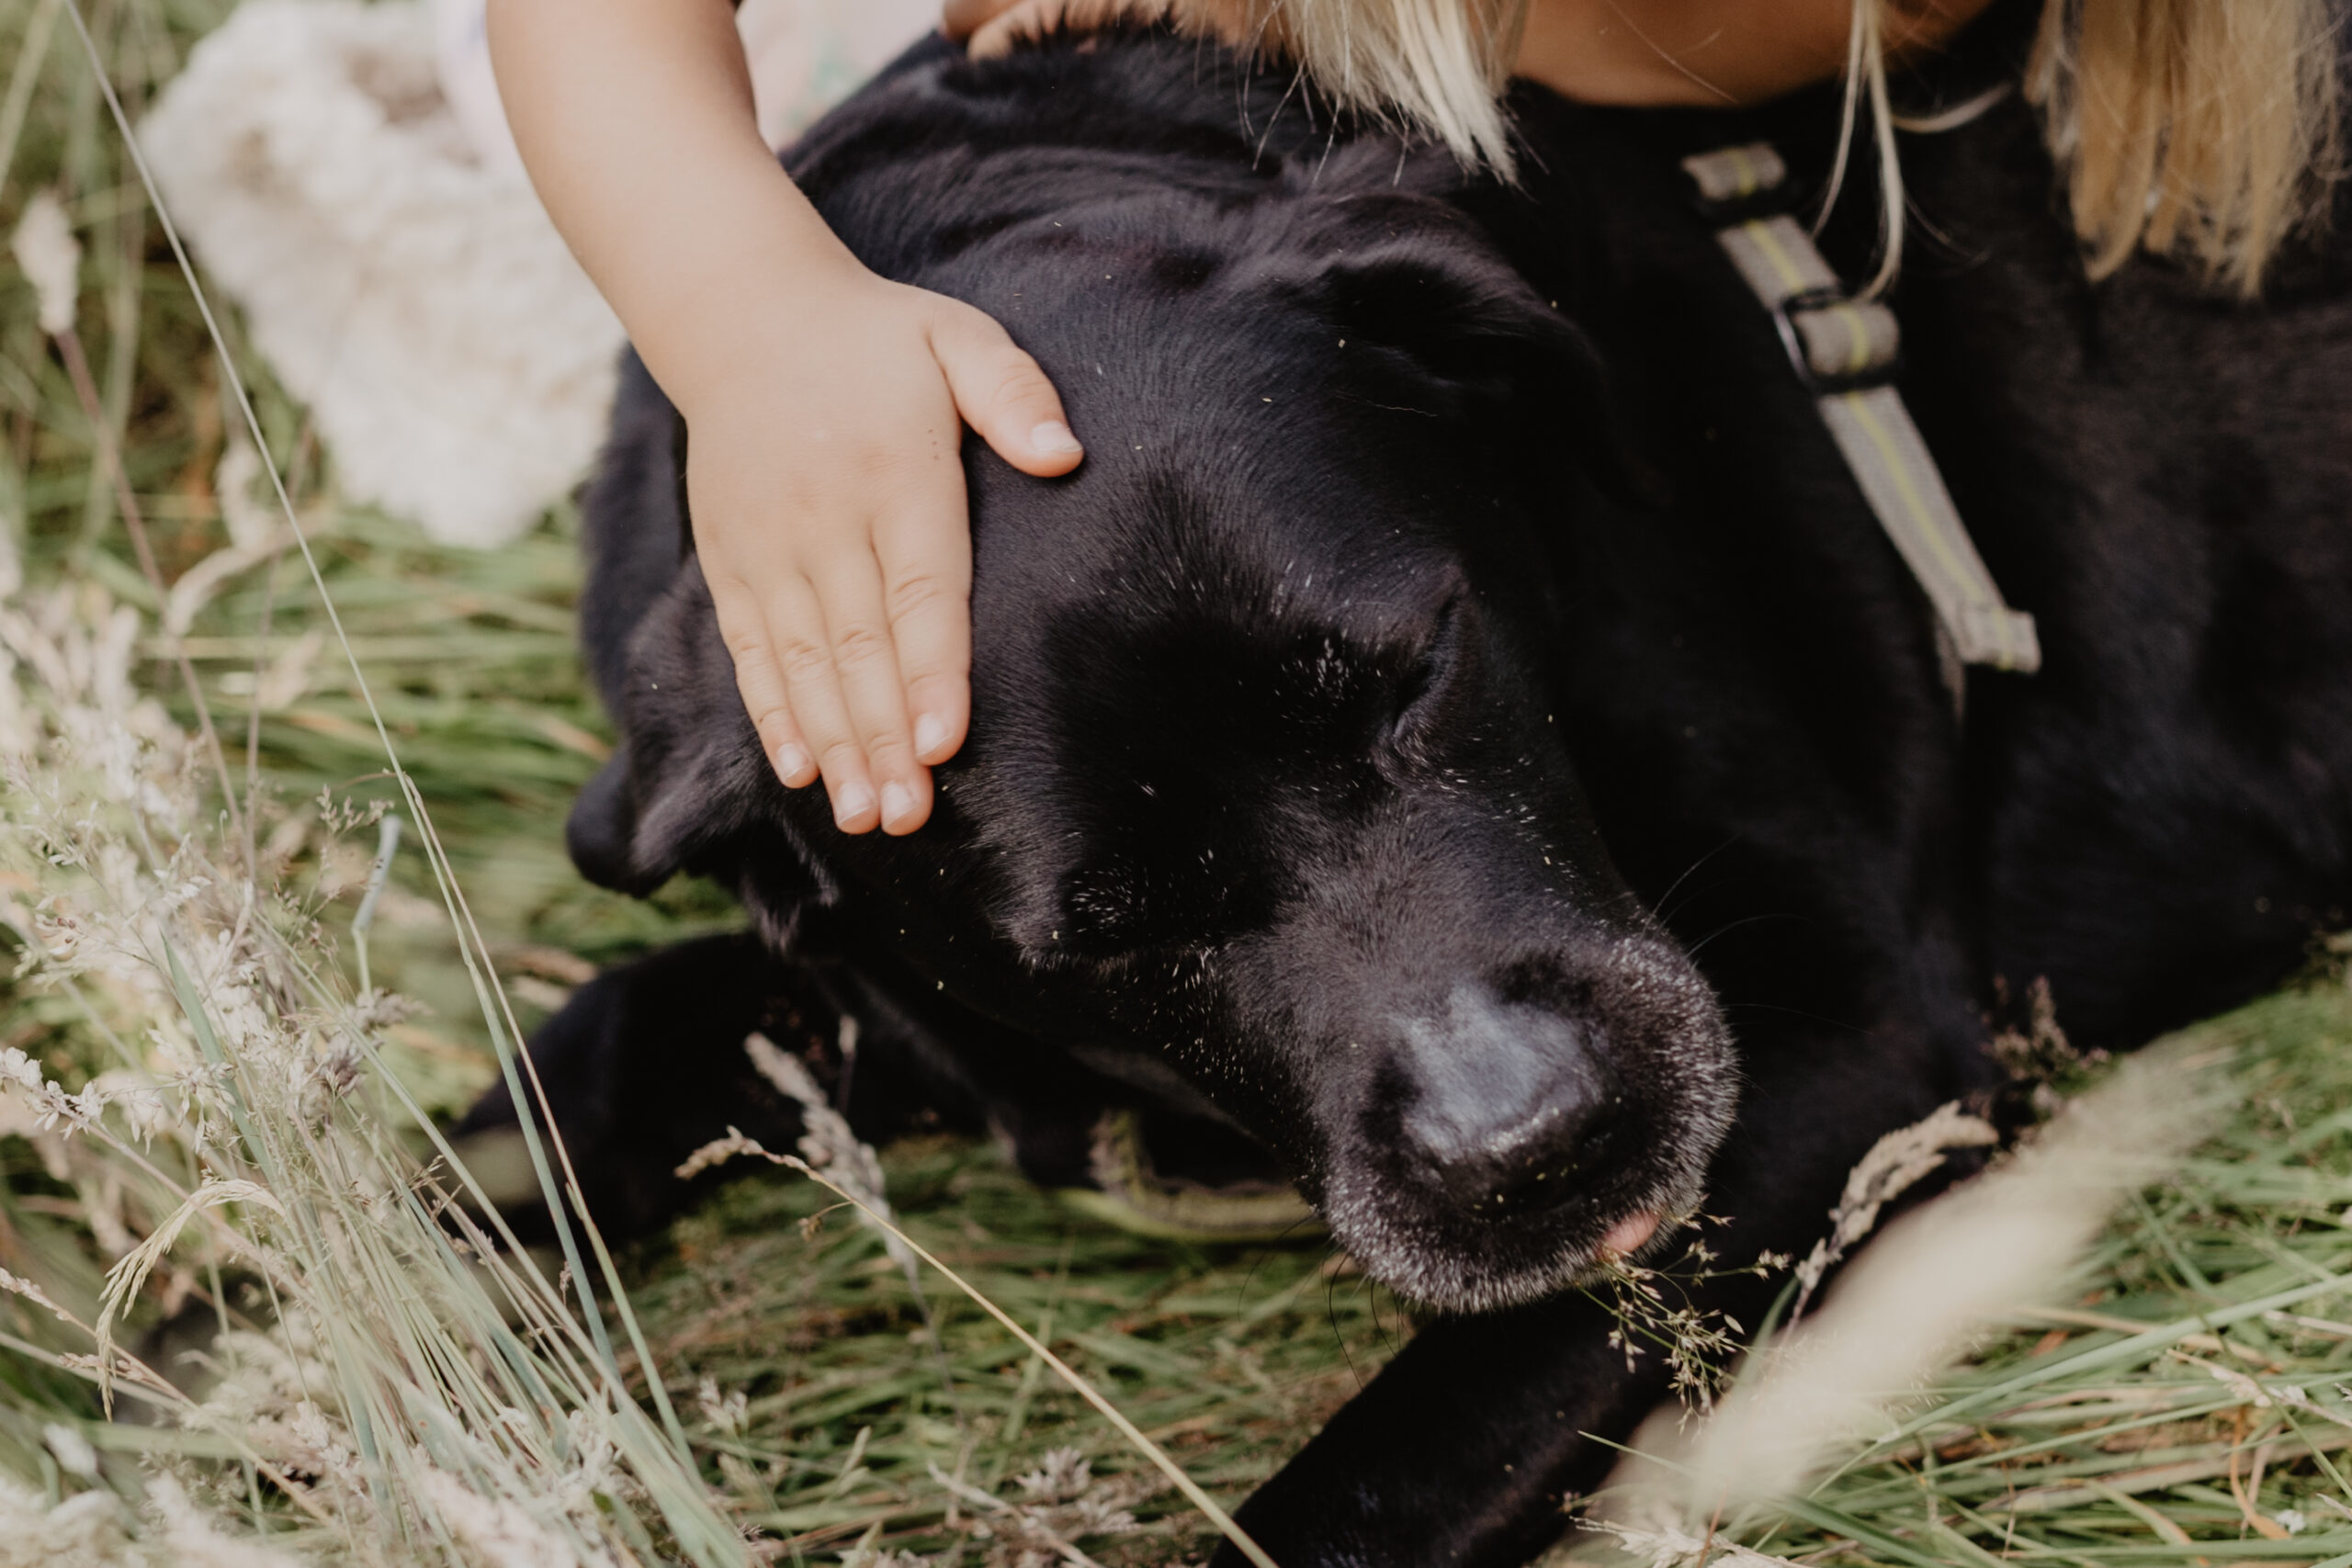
{"x":601,"y":832}
{"x":688,"y":789}
{"x":634,"y":827}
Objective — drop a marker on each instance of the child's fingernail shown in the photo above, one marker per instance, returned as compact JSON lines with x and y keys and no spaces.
{"x":852,"y":801}
{"x":792,"y":762}
{"x":931,"y":734}
{"x":1053,"y":439}
{"x":897,"y":802}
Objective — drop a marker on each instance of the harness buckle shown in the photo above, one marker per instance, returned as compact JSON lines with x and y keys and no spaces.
{"x":1837,"y":344}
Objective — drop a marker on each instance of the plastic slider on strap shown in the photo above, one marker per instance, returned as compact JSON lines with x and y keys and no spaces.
{"x":1733,"y":181}
{"x":1838,"y":344}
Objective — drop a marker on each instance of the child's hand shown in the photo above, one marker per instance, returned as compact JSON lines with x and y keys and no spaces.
{"x":823,"y":438}
{"x":991,"y":27}
{"x":825,"y":476}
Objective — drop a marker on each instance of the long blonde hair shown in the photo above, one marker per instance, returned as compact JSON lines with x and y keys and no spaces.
{"x":2204,"y":129}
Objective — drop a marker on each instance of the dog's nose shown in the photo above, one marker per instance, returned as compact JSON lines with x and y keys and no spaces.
{"x":1509,"y":1104}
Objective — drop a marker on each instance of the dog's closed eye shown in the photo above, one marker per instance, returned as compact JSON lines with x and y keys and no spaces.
{"x":1431,"y":681}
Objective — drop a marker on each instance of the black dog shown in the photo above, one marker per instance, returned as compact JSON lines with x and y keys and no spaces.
{"x":1304,"y":710}
{"x":1268,"y":814}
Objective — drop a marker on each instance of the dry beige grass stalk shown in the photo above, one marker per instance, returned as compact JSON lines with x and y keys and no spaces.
{"x":1909,"y":1306}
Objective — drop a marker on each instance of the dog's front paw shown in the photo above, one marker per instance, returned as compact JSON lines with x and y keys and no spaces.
{"x":643,"y":1066}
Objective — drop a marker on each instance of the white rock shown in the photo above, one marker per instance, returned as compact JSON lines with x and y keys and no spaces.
{"x":459,"y":364}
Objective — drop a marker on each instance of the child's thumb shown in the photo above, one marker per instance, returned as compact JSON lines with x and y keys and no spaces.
{"x":1003,"y":394}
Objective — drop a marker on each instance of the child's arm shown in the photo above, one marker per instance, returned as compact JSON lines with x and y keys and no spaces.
{"x":822,"y":403}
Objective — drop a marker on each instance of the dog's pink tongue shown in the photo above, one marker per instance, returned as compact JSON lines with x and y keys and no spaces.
{"x":1628,"y":1236}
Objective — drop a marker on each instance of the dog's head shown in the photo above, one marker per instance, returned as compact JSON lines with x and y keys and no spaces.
{"x":1263,"y":805}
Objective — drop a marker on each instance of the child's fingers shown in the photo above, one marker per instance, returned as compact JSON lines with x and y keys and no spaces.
{"x":760,"y":681}
{"x":926,"y":561}
{"x":993,"y":27}
{"x":866,"y":659}
{"x":1009,"y":25}
{"x":1002,"y":393}
{"x":961,"y":19}
{"x":806,"y":653}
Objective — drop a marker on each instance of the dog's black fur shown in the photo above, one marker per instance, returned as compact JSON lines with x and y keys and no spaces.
{"x":1303,"y":710}
{"x":1266,"y":811}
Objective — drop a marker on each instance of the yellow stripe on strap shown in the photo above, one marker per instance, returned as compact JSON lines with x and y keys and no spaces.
{"x":1857,"y":359}
{"x":1890,"y":463}
{"x":1760,"y":231}
{"x":1747,"y":168}
{"x":1929,"y":522}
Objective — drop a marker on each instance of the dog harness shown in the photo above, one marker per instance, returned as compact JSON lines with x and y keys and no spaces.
{"x":1847,"y":351}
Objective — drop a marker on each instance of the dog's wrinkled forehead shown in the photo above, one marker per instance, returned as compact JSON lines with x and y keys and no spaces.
{"x":1191,"y":657}
{"x":1206,"y":690}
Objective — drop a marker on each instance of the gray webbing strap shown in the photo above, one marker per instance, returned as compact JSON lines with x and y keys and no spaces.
{"x":1845,"y":351}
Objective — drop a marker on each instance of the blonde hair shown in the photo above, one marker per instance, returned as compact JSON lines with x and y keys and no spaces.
{"x":2208,"y":129}
{"x":2203,"y":128}
{"x":1442,"y":65}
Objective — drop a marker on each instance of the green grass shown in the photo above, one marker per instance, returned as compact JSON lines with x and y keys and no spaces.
{"x":2075,"y":1441}
{"x":1231,"y":1357}
{"x":1227,"y":1356}
{"x":2030,"y":1450}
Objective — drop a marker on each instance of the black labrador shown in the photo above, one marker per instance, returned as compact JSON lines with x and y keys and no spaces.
{"x":1462,"y":737}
